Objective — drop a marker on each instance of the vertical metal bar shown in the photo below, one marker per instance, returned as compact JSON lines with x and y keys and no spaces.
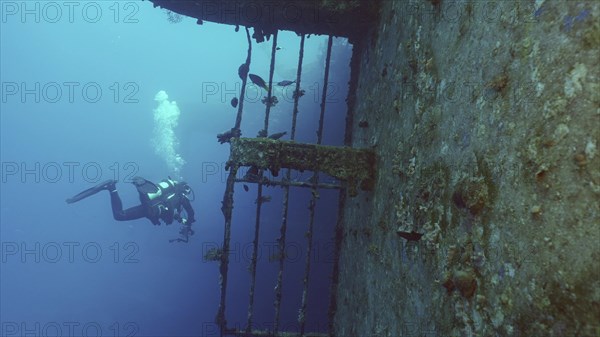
{"x":324,"y":97}
{"x":238,"y":118}
{"x":269,"y":92}
{"x":254,"y":257}
{"x":313,"y":200}
{"x":281,"y":243}
{"x":227,"y":207}
{"x":337,"y":242}
{"x":297,"y":92}
{"x":286,"y":192}
{"x":352,"y":85}
{"x":260,"y":197}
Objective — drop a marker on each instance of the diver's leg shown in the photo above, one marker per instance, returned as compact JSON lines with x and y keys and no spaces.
{"x":105,"y":185}
{"x":119,"y":214}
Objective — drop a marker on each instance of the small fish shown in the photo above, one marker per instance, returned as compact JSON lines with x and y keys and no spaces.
{"x":285,"y":83}
{"x":258,"y":81}
{"x":278,"y":48}
{"x":234,"y":102}
{"x":246,"y":187}
{"x":278,"y":135}
{"x":410,"y":236}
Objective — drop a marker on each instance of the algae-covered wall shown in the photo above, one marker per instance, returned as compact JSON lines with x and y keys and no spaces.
{"x":485,"y":117}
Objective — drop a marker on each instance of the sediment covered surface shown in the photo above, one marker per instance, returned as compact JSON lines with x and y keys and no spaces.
{"x":485,"y":119}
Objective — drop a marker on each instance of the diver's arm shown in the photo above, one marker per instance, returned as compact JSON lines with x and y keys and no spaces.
{"x":186,"y":230}
{"x":188,"y":210}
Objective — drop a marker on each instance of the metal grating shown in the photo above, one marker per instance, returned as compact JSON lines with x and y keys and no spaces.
{"x":285,"y":183}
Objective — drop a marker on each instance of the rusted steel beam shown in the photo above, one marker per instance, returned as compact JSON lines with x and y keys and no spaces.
{"x":354,"y":166}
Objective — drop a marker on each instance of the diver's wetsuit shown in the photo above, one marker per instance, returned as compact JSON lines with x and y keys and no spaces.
{"x":120,"y":214}
{"x":166,"y":211}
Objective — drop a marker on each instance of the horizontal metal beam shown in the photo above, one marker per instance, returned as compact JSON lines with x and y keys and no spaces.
{"x":292,"y":183}
{"x":354,"y":166}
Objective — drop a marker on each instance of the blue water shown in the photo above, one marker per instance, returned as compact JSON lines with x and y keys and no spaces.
{"x":77,"y":107}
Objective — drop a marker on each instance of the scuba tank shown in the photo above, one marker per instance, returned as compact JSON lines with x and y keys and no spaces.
{"x":165,"y":191}
{"x":157,"y":197}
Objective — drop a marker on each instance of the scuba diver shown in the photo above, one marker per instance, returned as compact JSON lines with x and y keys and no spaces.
{"x":163,"y":201}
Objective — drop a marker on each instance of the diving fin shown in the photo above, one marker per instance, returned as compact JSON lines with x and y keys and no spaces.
{"x":91,"y":191}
